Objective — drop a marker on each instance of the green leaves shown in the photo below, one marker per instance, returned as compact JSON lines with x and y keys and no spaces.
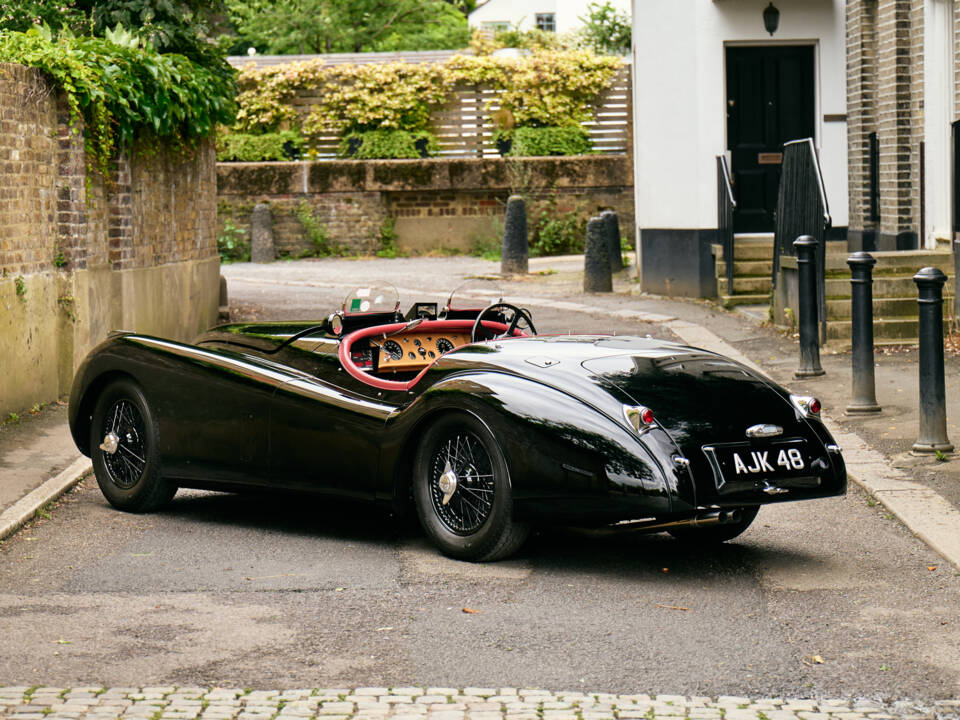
{"x":120,"y":87}
{"x":324,"y":26}
{"x":545,"y":89}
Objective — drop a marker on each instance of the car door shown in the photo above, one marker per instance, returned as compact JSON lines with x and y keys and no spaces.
{"x":326,"y":428}
{"x":212,"y":408}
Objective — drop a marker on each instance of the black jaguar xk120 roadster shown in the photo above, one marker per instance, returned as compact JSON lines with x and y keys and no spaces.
{"x":462,"y":412}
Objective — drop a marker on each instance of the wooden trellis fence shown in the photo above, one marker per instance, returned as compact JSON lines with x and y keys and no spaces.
{"x":464,"y":129}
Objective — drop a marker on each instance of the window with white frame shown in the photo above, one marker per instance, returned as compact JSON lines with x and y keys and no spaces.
{"x":547,"y":22}
{"x":492,"y":27}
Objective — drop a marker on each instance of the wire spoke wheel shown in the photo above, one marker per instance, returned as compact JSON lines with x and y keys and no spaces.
{"x":126,"y":465}
{"x":462,"y":483}
{"x":462,"y":490}
{"x":125,"y":449}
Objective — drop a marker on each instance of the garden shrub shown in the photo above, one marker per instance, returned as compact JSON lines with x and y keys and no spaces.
{"x":558,"y":233}
{"x":233,"y":245}
{"x":243,"y":147}
{"x":539,"y":141}
{"x":387,"y":144}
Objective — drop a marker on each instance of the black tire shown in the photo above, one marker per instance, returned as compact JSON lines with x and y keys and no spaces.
{"x":129,"y":477}
{"x":476,"y":522}
{"x":717,"y":533}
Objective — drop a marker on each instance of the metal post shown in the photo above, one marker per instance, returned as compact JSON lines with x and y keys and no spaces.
{"x":933,"y":410}
{"x":596,"y":264}
{"x":806,"y":249}
{"x":611,"y":224}
{"x":861,"y":333}
{"x":515,"y":254}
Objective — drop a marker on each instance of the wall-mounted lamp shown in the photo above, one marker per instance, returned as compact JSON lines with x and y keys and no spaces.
{"x":771,"y":18}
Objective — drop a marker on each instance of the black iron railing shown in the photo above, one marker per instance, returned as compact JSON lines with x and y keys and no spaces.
{"x":725,"y":207}
{"x":802,"y":210}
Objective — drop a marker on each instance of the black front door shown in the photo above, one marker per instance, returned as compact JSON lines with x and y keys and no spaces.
{"x":770,"y":100}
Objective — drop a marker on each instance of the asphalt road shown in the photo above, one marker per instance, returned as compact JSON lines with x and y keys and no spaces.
{"x":823,"y":598}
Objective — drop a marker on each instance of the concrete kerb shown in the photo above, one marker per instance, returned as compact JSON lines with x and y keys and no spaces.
{"x":25,"y":509}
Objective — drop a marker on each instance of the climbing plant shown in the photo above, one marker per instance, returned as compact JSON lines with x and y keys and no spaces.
{"x":121,"y":88}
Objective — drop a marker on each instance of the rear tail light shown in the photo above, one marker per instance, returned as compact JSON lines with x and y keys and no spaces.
{"x":640,"y":417}
{"x":806,"y":405}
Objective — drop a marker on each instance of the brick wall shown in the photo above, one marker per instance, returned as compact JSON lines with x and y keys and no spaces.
{"x":885,"y":86}
{"x":861,"y":106}
{"x":79,"y":255}
{"x":437,"y":204}
{"x":28,"y":167}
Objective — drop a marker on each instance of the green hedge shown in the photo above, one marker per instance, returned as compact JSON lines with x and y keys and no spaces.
{"x":242,"y":147}
{"x":539,"y":141}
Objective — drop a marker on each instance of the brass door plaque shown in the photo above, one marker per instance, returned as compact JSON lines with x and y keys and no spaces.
{"x":769,"y":158}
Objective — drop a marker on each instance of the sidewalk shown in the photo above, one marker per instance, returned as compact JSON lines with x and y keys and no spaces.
{"x":38,"y":461}
{"x":420,"y":703}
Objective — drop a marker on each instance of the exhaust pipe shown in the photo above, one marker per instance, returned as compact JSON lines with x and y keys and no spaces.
{"x":716,"y":517}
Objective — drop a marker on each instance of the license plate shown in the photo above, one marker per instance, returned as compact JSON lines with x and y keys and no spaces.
{"x":735,"y":462}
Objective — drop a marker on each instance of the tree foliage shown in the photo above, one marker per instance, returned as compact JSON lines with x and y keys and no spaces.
{"x":180,"y":26}
{"x":606,"y":29}
{"x":325,"y":26}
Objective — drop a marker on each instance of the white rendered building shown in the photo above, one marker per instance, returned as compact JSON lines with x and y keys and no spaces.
{"x":552,"y":15}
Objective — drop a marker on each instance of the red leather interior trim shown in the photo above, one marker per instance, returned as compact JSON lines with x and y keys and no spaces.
{"x":346,"y":345}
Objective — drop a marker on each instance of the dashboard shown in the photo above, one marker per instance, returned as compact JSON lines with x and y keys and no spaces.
{"x":413,"y":351}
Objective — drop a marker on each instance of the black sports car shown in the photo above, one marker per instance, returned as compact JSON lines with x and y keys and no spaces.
{"x":463,"y":412}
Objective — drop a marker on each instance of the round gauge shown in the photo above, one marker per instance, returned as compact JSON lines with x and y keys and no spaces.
{"x":393,"y":350}
{"x":444,"y":345}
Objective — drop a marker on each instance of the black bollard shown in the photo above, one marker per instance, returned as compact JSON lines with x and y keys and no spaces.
{"x":806,"y":248}
{"x":596,"y":264}
{"x":515,"y":256}
{"x":611,"y":225}
{"x":861,"y":333}
{"x":933,"y":410}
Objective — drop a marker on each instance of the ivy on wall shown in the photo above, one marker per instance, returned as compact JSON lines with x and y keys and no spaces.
{"x":543,"y":89}
{"x":122,"y":88}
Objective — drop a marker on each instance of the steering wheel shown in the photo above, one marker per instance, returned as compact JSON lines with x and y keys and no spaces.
{"x":518,"y":315}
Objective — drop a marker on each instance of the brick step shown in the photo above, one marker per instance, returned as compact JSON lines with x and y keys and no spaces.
{"x":902,"y":330}
{"x":745,"y":285}
{"x":729,"y":301}
{"x":754,"y":268}
{"x":890,"y":287}
{"x":887,"y":308}
{"x":747,"y":250}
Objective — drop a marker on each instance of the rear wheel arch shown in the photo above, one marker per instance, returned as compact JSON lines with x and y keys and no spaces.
{"x":404,"y":465}
{"x":84,"y":417}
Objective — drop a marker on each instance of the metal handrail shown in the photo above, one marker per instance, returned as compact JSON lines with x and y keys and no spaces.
{"x":802,"y":209}
{"x":727,"y":182}
{"x":726,"y":204}
{"x":820,"y":186}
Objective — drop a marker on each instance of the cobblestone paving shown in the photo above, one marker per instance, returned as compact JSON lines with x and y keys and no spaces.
{"x":434,"y":703}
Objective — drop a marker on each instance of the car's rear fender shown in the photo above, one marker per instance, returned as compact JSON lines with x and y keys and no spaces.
{"x":565,"y":456}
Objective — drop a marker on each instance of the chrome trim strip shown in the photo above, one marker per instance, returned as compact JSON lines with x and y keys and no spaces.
{"x":711,"y":453}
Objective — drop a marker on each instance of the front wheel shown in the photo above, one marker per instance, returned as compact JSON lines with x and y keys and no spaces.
{"x":462,"y":491}
{"x":124,"y":450}
{"x":712,"y":535}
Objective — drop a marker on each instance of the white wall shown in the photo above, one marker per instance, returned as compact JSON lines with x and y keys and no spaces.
{"x":938,"y":116}
{"x":568,"y":12}
{"x":680,"y":96}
